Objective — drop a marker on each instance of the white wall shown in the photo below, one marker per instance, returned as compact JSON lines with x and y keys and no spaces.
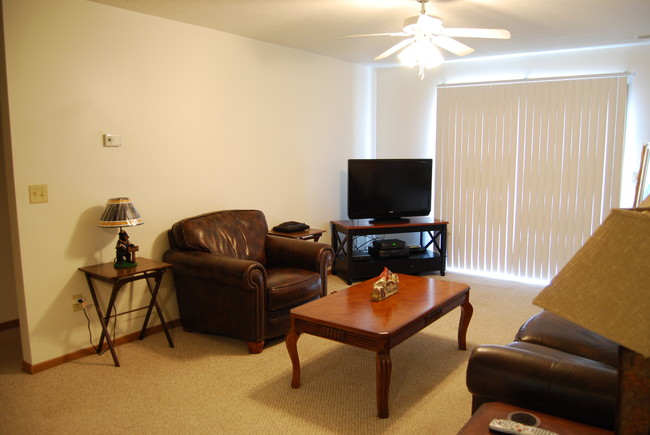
{"x":208,"y":121}
{"x":406,"y":106}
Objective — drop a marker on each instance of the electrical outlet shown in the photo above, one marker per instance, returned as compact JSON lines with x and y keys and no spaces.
{"x":38,"y":193}
{"x":78,"y":302}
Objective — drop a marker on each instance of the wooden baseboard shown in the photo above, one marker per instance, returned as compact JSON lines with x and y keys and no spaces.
{"x":10,"y":324}
{"x":36,"y":368}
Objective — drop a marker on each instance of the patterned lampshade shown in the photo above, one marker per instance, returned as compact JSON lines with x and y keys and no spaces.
{"x":120,"y":212}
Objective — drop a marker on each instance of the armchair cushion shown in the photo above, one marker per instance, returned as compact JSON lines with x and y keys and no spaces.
{"x":289,"y":287}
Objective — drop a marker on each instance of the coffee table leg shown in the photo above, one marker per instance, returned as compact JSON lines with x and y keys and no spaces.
{"x":465,"y":317}
{"x":292,"y":346}
{"x":384,"y":367}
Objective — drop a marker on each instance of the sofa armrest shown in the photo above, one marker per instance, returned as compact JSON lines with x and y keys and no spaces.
{"x":301,"y":254}
{"x":562,"y":385}
{"x":229,"y":271}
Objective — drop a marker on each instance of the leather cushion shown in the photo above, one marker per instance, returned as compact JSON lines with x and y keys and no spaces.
{"x":233,"y":233}
{"x":550,"y":330}
{"x":560,"y":356}
{"x":290,"y":287}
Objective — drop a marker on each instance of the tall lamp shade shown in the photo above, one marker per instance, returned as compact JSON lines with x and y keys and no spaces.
{"x":605,"y":288}
{"x":120,"y":212}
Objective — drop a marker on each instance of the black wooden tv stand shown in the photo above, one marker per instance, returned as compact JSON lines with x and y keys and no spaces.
{"x":356,"y":266}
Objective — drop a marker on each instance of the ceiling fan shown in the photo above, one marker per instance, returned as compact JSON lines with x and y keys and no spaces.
{"x":425,"y":32}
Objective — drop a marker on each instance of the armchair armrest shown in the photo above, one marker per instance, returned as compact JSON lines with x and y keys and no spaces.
{"x":301,"y":254}
{"x":229,"y":271}
{"x":545,"y":380}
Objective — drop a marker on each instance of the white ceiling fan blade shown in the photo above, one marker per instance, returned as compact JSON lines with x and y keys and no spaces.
{"x":451,"y":45}
{"x":395,"y":48}
{"x":376,"y":34}
{"x":460,"y":32}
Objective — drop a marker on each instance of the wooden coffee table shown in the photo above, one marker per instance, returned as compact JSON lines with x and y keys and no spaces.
{"x":350,"y":317}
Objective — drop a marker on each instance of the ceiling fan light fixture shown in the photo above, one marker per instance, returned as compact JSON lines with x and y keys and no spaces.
{"x":426,"y":33}
{"x":421,"y":53}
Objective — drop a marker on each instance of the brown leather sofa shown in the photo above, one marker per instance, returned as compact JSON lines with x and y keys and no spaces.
{"x":235,"y":280}
{"x":554,"y":367}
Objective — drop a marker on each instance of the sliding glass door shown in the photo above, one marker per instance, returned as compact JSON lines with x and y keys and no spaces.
{"x":526,"y":170}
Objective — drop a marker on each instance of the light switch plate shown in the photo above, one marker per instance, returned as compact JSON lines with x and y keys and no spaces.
{"x":112,"y":140}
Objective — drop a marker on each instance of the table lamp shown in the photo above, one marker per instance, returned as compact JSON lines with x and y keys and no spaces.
{"x":120,"y":212}
{"x":605,"y":288}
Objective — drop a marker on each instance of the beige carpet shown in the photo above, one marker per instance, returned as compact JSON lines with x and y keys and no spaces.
{"x":210,"y":384}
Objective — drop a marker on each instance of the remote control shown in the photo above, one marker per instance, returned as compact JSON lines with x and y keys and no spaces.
{"x":511,"y":427}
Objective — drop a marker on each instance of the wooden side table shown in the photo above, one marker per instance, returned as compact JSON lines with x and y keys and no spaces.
{"x":478,"y":424}
{"x":309,"y":234}
{"x":105,"y":272}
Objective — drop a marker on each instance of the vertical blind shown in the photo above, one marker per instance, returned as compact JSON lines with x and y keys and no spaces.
{"x":526,"y":170}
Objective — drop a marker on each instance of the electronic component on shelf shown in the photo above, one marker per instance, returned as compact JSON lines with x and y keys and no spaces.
{"x":360,"y":256}
{"x":388,"y":244}
{"x":416,"y":249}
{"x":388,"y":253}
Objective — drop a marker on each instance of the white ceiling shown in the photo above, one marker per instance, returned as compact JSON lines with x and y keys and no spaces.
{"x":317,"y":26}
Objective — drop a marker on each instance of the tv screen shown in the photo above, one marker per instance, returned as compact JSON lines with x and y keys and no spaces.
{"x":389,"y":189}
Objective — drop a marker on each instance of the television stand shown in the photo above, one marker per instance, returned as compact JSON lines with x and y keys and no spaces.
{"x":353,"y":265}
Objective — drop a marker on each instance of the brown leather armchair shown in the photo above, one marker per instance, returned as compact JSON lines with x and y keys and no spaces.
{"x":235,"y":280}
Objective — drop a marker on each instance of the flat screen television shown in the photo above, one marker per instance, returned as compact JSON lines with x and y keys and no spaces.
{"x":389,"y":189}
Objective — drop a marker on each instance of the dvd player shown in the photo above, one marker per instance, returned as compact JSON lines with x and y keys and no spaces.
{"x":387,"y":253}
{"x":388,"y":244}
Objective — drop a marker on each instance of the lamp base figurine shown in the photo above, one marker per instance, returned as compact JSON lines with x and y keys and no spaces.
{"x":124,"y":252}
{"x":387,"y":285}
